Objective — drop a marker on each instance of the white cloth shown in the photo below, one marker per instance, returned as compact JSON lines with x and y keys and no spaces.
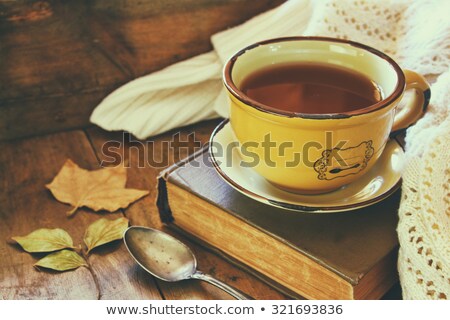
{"x":424,"y":226}
{"x":415,"y":33}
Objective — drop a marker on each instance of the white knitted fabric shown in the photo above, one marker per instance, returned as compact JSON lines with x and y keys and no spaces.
{"x":415,"y":33}
{"x":424,"y":227}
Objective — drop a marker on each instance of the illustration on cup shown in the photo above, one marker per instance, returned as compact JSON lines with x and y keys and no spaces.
{"x":338,"y":163}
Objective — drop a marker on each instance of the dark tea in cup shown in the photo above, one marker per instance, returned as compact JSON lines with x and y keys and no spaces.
{"x":312,"y":88}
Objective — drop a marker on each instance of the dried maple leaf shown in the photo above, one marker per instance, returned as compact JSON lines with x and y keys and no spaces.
{"x":104,"y":231}
{"x":102,"y":189}
{"x":62,"y":261}
{"x":45,"y":240}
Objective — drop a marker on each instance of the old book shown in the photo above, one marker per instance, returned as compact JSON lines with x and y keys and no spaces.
{"x":350,"y":255}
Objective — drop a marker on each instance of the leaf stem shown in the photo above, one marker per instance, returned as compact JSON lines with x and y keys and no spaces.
{"x":85,"y":256}
{"x":71,"y":212}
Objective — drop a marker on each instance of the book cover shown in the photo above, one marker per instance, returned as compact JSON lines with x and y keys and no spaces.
{"x":348,"y":255}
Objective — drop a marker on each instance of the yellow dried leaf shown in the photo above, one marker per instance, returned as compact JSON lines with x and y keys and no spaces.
{"x":45,"y":240}
{"x":102,"y":189}
{"x":103,"y":231}
{"x":62,"y":261}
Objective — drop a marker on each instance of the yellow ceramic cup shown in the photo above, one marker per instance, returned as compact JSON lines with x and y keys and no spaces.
{"x":318,"y":153}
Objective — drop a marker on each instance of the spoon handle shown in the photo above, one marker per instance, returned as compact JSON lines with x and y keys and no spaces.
{"x":222,"y":285}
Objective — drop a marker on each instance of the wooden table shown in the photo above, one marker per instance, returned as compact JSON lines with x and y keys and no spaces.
{"x":58,"y":59}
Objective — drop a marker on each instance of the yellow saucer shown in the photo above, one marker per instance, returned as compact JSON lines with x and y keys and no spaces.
{"x":383,"y":179}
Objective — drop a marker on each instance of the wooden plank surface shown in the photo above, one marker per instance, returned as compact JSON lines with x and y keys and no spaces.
{"x":58,"y":59}
{"x":45,"y":54}
{"x":25,"y":205}
{"x":145,"y":213}
{"x":145,"y":36}
{"x":28,"y":164}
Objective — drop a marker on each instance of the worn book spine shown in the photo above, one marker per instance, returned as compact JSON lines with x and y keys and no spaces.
{"x":162,"y":201}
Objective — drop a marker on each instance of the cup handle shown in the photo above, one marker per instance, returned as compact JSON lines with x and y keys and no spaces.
{"x":415,"y":108}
